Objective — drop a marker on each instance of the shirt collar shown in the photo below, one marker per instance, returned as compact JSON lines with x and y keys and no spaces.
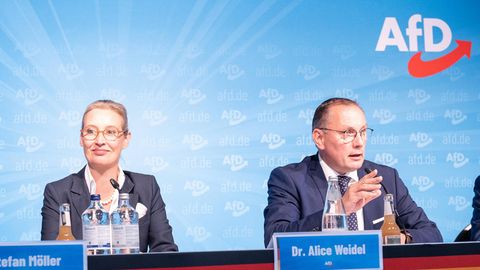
{"x":328,"y":171}
{"x":92,"y":186}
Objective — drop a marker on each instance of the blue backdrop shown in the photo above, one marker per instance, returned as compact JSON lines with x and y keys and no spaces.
{"x":221,"y":92}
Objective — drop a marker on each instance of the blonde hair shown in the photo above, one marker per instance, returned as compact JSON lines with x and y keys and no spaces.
{"x":108,"y":105}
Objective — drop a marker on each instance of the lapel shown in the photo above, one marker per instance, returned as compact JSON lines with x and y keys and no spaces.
{"x":317,"y":176}
{"x":79,"y":193}
{"x":128,"y":187}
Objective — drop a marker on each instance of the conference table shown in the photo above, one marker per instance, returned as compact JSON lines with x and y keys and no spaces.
{"x":462,"y":255}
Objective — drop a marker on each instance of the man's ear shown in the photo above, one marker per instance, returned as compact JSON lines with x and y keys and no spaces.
{"x":318,"y":137}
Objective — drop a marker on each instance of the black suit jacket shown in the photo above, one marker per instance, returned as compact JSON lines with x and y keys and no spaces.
{"x":154,"y":229}
{"x":296,"y":195}
{"x":475,"y":231}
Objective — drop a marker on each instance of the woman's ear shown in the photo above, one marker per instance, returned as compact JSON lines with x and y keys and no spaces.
{"x":127,"y":140}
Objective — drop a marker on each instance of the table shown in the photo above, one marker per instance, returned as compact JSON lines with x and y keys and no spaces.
{"x":464,"y":255}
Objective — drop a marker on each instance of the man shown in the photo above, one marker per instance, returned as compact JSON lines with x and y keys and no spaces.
{"x":475,"y":231}
{"x":296,"y":192}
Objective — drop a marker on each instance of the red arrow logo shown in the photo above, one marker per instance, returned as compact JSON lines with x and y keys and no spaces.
{"x":419,"y":68}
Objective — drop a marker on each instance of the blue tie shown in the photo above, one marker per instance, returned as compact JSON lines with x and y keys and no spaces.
{"x":352,"y":222}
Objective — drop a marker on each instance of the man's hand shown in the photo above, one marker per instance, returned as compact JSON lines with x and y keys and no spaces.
{"x":362,"y":192}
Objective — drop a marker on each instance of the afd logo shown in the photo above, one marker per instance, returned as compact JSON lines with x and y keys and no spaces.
{"x":382,"y":72}
{"x":113,"y":94}
{"x":194,"y":96}
{"x":273,"y":140}
{"x":271,"y":95}
{"x":269,"y":51}
{"x":459,"y":202}
{"x":72,"y":164}
{"x":456,"y":116}
{"x":111,"y":50}
{"x":29,"y":96}
{"x":238,"y":208}
{"x":457,"y":159}
{"x":236,"y":162}
{"x":28,"y":49}
{"x":152,"y":71}
{"x":306,"y":115}
{"x":30,"y":143}
{"x":384,"y":116}
{"x":71,"y":71}
{"x":73,"y":118}
{"x":309,"y":72}
{"x":192,"y":51}
{"x":422,"y":182}
{"x":197,"y":187}
{"x":30,"y":236}
{"x":391,"y":35}
{"x":420,"y":96}
{"x":30,"y":191}
{"x":195,"y":141}
{"x":155,"y":163}
{"x":234,"y":117}
{"x":421,"y":139}
{"x":346,"y":93}
{"x":386,"y":159}
{"x":198,"y":233}
{"x":232,"y":71}
{"x":154,"y":117}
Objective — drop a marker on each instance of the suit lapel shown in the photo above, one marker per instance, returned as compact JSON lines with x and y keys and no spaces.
{"x":318,"y":177}
{"x":128,"y":187}
{"x":79,"y":193}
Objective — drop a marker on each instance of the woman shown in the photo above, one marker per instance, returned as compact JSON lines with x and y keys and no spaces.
{"x":103,"y":136}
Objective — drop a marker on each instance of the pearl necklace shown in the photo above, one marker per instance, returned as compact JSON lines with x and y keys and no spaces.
{"x":107,"y":201}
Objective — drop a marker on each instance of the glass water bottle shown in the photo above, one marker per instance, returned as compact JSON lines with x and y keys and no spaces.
{"x":334,"y":217}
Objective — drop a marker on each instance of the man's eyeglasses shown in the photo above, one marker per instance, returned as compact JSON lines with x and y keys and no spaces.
{"x":90,"y":133}
{"x":350,"y":134}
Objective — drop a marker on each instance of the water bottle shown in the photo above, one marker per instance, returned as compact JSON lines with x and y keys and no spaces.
{"x":96,"y":227}
{"x":125,"y":235}
{"x":334,"y":217}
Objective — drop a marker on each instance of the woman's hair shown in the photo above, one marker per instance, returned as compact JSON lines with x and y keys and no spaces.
{"x":108,"y":105}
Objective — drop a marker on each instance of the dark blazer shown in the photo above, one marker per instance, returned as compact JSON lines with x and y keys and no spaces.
{"x":475,"y":231}
{"x":154,"y":229}
{"x":296,"y":195}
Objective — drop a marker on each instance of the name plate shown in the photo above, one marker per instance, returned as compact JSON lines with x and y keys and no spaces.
{"x":43,"y":255}
{"x":328,"y":250}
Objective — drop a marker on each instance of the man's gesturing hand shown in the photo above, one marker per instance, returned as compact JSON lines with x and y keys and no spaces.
{"x":362,"y":192}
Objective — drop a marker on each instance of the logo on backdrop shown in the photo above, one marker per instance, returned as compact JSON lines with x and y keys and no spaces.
{"x":391,"y":35}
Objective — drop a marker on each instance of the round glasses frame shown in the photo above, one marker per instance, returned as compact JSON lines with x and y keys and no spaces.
{"x":109,"y":133}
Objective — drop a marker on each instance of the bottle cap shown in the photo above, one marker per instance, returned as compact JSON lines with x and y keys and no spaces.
{"x":124,"y":196}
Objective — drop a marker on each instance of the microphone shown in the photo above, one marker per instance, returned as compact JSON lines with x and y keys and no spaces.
{"x":115,"y":184}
